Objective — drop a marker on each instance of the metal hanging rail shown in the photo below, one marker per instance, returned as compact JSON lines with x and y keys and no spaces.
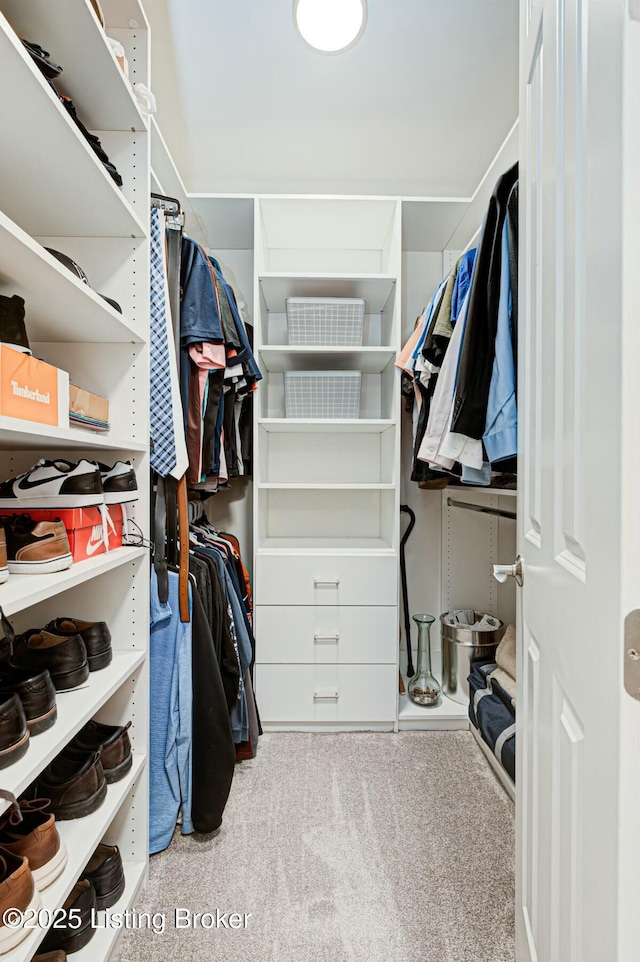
{"x":496,"y":512}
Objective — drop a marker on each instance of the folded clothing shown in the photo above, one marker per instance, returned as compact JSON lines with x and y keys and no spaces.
{"x":492,"y":712}
{"x":502,"y":678}
{"x":467,"y":617}
{"x":506,"y":652}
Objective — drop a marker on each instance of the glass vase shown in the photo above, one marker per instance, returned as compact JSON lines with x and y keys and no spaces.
{"x":423,"y":689}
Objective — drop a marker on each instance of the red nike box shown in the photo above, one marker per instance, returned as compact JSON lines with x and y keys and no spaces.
{"x":85,"y":528}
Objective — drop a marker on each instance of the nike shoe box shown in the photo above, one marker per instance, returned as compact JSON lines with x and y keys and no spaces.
{"x":31,"y":390}
{"x":85,"y":528}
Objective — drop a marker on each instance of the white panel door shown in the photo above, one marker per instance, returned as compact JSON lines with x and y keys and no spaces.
{"x":578,"y":875}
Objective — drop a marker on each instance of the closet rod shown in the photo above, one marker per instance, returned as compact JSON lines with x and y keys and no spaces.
{"x":497,"y":512}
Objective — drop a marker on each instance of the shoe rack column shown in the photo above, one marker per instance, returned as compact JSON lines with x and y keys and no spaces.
{"x":54,"y":192}
{"x":326,"y":492}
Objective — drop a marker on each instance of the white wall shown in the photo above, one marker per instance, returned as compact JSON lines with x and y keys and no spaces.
{"x":422,"y":272}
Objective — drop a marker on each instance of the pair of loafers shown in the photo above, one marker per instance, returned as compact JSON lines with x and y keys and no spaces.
{"x":67,"y":648}
{"x":76,"y":780}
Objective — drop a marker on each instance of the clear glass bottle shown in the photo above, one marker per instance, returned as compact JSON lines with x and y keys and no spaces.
{"x":423,"y":689}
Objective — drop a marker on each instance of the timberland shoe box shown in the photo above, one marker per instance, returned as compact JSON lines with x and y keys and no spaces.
{"x":32,"y":390}
{"x":85,"y":528}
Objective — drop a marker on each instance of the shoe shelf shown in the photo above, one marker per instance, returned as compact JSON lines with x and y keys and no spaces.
{"x":59,"y":306}
{"x":369,"y":360}
{"x":102,"y":943}
{"x":75,"y":708}
{"x":81,"y":836}
{"x":374,"y":289}
{"x":23,"y":591}
{"x":325,"y":425}
{"x":31,"y":436}
{"x":50,"y":171}
{"x":92,"y":76}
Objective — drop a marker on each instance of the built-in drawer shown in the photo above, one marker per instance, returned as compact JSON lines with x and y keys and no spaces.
{"x":327,"y":694}
{"x":326,"y":634}
{"x":326,"y":580}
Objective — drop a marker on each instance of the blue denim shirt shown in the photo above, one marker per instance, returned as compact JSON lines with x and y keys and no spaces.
{"x":171,"y":724}
{"x":463,"y":281}
{"x":501,"y":431}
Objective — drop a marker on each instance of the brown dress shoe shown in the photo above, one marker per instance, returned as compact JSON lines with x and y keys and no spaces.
{"x":31,"y":833}
{"x":58,"y":956}
{"x":14,"y":734}
{"x":112,"y":741}
{"x":76,"y":786}
{"x":17,"y":891}
{"x":82,"y":899}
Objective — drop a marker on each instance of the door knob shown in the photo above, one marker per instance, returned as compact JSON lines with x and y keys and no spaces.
{"x":502,"y":572}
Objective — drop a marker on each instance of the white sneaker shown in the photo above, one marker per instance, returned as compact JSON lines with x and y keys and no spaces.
{"x":119,"y":482}
{"x":54,"y":484}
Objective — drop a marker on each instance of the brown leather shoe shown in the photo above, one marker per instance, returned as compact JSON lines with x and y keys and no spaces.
{"x":76,"y":786}
{"x":82,"y":899}
{"x":36,"y":547}
{"x":4,"y":568}
{"x":58,"y":956}
{"x":17,"y":891}
{"x":30,"y":831}
{"x":14,"y":734}
{"x":112,"y":741}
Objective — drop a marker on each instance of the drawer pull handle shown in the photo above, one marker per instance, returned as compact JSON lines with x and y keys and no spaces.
{"x":335,"y":637}
{"x":332,"y":584}
{"x":317,"y":697}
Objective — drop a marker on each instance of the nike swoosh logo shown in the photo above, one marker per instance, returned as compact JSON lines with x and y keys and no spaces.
{"x":93,"y":546}
{"x":25,"y":484}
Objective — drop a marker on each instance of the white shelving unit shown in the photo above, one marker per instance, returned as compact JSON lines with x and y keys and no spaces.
{"x":326,"y":492}
{"x":54,"y":192}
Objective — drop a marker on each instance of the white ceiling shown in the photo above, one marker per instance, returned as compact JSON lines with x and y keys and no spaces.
{"x":418,"y":107}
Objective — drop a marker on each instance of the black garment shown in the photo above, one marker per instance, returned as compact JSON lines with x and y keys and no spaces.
{"x":222,"y":638}
{"x":512,"y":238}
{"x":213,"y":750}
{"x":478,"y":348}
{"x":214,"y":399}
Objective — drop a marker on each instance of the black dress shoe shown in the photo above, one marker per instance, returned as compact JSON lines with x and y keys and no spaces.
{"x":64,"y":656}
{"x":95,"y":634}
{"x":14,"y":734}
{"x":36,"y":692}
{"x":104,"y":870}
{"x":111,"y":741}
{"x":75,"y":784}
{"x":82,"y":899}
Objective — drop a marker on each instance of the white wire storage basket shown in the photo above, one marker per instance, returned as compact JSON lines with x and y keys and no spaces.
{"x":330,"y":321}
{"x":322,"y":394}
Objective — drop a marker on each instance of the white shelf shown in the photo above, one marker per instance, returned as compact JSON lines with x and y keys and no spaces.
{"x":103,"y":941}
{"x":447,"y":716}
{"x":324,"y":486}
{"x":369,"y":360}
{"x":322,"y":546}
{"x":326,"y":425}
{"x":91,"y":77}
{"x":375,"y":289}
{"x":81,"y":837}
{"x":59,"y":307}
{"x":75,"y":708}
{"x":23,"y":591}
{"x":28,"y":435}
{"x":50,"y":167}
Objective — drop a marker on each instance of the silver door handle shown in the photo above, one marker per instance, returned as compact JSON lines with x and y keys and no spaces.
{"x":335,"y":637}
{"x":502,"y":572}
{"x":332,"y":584}
{"x":317,"y":697}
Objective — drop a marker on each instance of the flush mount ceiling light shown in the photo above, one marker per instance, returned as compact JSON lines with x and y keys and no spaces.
{"x":330,"y":26}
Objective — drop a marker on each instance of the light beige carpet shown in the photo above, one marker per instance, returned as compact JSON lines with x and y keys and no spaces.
{"x":346,"y":848}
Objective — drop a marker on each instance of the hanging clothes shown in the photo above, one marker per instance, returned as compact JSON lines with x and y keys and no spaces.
{"x":218,"y":372}
{"x":461,"y":356}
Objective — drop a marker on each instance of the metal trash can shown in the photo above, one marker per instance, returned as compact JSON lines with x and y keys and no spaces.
{"x":462,"y":645}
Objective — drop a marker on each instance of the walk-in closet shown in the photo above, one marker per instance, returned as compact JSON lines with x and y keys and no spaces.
{"x":319,"y":527}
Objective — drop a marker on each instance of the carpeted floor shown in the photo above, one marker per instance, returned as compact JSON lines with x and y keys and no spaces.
{"x":346,"y":848}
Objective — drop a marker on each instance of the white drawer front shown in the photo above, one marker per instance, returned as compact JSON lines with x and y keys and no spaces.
{"x":298,"y":694}
{"x":325,"y":634}
{"x":326,"y":580}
